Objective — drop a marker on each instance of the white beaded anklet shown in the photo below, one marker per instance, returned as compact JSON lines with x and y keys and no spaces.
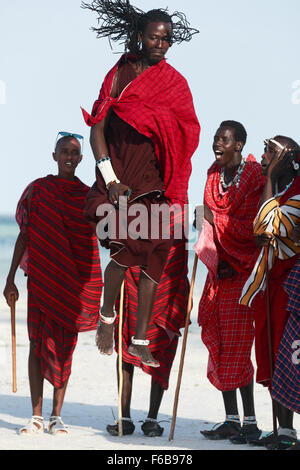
{"x":139,"y":342}
{"x":107,"y":320}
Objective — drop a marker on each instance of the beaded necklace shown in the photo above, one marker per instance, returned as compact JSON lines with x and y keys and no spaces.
{"x":236,"y":179}
{"x":284,"y":190}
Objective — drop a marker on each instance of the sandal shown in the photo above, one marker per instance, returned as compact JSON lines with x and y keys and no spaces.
{"x":225,"y":430}
{"x":127,"y":427}
{"x":282,"y":442}
{"x":247,"y":435}
{"x":264,"y":441}
{"x":151,"y":428}
{"x":34,"y":426}
{"x":149,"y":360}
{"x":56,"y":426}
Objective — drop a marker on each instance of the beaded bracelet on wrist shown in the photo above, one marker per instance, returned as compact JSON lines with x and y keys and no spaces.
{"x":103,"y":159}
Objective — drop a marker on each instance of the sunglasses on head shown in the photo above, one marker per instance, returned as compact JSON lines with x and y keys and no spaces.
{"x":70,"y":134}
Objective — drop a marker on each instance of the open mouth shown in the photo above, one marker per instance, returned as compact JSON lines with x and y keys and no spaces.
{"x":218,"y":153}
{"x":157,"y":54}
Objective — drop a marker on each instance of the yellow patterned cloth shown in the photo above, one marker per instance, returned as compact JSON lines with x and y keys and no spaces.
{"x":277,"y":217}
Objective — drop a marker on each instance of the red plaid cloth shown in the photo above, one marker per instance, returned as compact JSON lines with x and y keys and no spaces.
{"x":227,"y":326}
{"x":64,"y":271}
{"x":228,"y":333}
{"x":159,"y":105}
{"x":286,"y":379}
{"x":234,"y":213}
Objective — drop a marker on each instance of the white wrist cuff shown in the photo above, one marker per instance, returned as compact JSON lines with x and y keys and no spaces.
{"x":106,"y":170}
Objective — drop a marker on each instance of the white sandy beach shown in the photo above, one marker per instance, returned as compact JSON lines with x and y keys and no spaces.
{"x":92,"y":395}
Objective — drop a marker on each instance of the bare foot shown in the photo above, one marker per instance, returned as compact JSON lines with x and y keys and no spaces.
{"x":104,"y":338}
{"x":144,"y":354}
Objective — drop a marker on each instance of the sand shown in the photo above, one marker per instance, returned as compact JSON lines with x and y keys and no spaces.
{"x":91,"y":399}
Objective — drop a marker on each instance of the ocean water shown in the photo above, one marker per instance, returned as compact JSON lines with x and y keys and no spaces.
{"x":8,"y":234}
{"x":9,"y":231}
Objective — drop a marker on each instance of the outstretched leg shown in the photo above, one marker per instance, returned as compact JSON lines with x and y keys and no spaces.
{"x":249,"y":432}
{"x":58,"y":399}
{"x":146,"y":297}
{"x":113,"y":278}
{"x":156,"y":396}
{"x":285,"y":416}
{"x":56,"y":425}
{"x":151,"y":427}
{"x":128,"y":370}
{"x":231,"y":426}
{"x":127,"y":424}
{"x":36,"y":382}
{"x":248,"y":400}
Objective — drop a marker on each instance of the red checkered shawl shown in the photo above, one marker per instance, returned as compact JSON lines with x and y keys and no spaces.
{"x":63,"y":257}
{"x":234,"y":212}
{"x":159,"y":105}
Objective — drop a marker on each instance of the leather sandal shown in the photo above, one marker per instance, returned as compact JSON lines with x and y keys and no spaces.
{"x":151,"y":428}
{"x":34,"y":426}
{"x":127,"y":427}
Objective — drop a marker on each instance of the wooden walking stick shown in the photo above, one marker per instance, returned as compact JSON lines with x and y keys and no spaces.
{"x":270,"y":342}
{"x":13,"y":342}
{"x":187,"y":322}
{"x":120,"y":360}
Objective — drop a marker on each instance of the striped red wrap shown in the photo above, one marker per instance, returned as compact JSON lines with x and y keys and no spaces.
{"x":64,"y":273}
{"x":63,"y":257}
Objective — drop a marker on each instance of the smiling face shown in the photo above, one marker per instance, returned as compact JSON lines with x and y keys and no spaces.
{"x":156,"y":41}
{"x":68,"y":156}
{"x":226,"y":148}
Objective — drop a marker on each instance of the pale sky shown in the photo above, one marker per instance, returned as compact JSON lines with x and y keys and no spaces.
{"x":244,"y":65}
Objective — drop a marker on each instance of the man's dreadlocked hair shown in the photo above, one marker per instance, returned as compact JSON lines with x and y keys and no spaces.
{"x":121,"y":22}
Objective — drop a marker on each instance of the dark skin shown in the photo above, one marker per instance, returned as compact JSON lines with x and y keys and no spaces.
{"x":68,"y":156}
{"x":279,"y":173}
{"x":155,"y":44}
{"x":228,"y":155}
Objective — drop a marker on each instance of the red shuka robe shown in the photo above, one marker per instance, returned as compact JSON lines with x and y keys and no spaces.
{"x":64,"y":273}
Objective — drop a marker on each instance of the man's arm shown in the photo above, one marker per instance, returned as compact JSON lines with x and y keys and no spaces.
{"x":208,"y":215}
{"x":97,"y":139}
{"x":100,"y":150}
{"x":10,"y":287}
{"x":277,"y":167}
{"x":19,"y":250}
